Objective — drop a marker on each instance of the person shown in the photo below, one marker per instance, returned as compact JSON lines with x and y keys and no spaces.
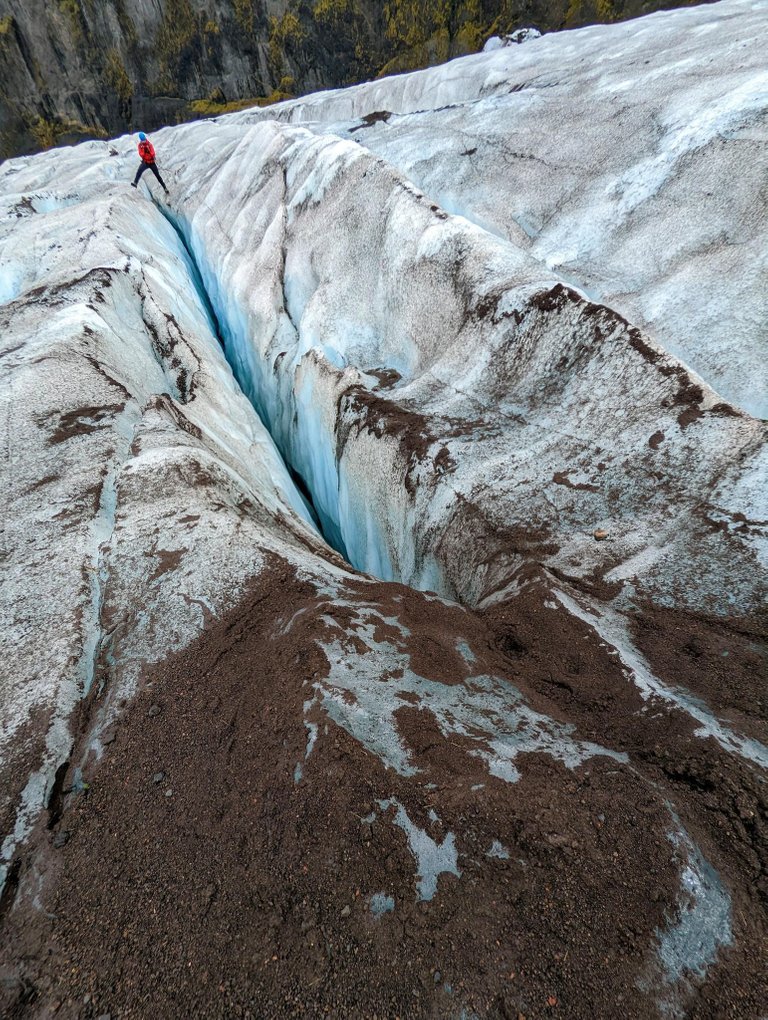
{"x":147,"y":153}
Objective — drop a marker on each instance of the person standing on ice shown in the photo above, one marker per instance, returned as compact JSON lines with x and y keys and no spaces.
{"x":147,"y":153}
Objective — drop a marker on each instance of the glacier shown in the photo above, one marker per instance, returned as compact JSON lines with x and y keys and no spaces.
{"x":471,"y":364}
{"x":515,"y":412}
{"x":649,"y":106}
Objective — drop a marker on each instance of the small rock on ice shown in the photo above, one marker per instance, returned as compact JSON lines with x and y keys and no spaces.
{"x":520,"y":35}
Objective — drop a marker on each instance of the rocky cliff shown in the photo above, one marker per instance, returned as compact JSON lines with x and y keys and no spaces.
{"x":81,"y":68}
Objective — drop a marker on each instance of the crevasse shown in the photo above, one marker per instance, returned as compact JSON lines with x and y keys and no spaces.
{"x":229,"y":325}
{"x":293,"y":421}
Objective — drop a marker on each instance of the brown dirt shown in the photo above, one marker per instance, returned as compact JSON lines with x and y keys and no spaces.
{"x":245,"y":893}
{"x":360,"y":408}
{"x":168,"y":559}
{"x":83,"y":421}
{"x":370,"y":119}
{"x":561,"y":478}
{"x":387,"y":377}
{"x":723,"y":660}
{"x":21,"y":757}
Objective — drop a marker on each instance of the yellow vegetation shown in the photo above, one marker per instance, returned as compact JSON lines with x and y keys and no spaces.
{"x":605,"y":11}
{"x":213,"y":108}
{"x":48,"y":133}
{"x":177,"y":32}
{"x":72,"y":11}
{"x":244,"y":14}
{"x":116,"y":76}
{"x":44,"y":133}
{"x":333,"y":10}
{"x":573,"y":14}
{"x":285,"y":32}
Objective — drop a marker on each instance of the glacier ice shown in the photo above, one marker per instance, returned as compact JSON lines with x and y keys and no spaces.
{"x":474,"y":339}
{"x":559,"y":388}
{"x":432,"y":858}
{"x":606,"y":198}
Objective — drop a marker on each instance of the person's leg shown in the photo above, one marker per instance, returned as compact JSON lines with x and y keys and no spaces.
{"x":139,"y":172}
{"x":156,"y":172}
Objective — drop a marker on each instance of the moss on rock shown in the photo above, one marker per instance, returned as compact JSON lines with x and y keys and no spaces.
{"x":116,"y":76}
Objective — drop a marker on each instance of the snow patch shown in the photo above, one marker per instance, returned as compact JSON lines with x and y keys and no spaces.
{"x":10,"y":282}
{"x":381,"y":904}
{"x":520,"y":35}
{"x":699,"y":926}
{"x":498,"y":850}
{"x":689,"y":945}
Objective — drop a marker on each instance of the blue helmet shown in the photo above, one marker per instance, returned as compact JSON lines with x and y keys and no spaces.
{"x":142,"y":136}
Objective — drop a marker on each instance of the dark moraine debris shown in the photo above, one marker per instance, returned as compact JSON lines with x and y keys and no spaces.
{"x":378,"y":117}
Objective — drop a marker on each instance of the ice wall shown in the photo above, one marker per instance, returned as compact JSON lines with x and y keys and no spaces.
{"x":629,"y":157}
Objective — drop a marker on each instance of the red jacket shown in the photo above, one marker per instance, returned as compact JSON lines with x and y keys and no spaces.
{"x":147,"y":152}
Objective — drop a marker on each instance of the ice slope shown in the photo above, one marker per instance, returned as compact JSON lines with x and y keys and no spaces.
{"x":142,"y":494}
{"x":630,"y":158}
{"x":129,"y":452}
{"x":514,"y":416}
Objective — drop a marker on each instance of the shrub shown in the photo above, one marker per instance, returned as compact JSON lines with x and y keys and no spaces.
{"x":175,"y":37}
{"x":44,"y":132}
{"x":73,"y":13}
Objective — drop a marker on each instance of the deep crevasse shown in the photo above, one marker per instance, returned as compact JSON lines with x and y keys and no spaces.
{"x":306,"y":447}
{"x":511,"y":378}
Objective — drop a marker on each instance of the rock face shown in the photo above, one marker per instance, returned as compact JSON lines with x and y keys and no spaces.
{"x":74,"y":68}
{"x":77,"y":68}
{"x":384,"y":605}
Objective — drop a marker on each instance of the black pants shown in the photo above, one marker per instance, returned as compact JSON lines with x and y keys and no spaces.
{"x":149,"y":166}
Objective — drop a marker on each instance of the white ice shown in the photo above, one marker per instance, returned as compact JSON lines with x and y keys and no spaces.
{"x":432,"y":858}
{"x":628,"y":156}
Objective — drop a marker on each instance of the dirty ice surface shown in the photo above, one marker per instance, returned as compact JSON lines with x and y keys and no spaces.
{"x":369,"y":680}
{"x":470,"y":335}
{"x":510,"y":397}
{"x":432,"y":858}
{"x":130,"y":456}
{"x":698,"y":926}
{"x":703,"y":924}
